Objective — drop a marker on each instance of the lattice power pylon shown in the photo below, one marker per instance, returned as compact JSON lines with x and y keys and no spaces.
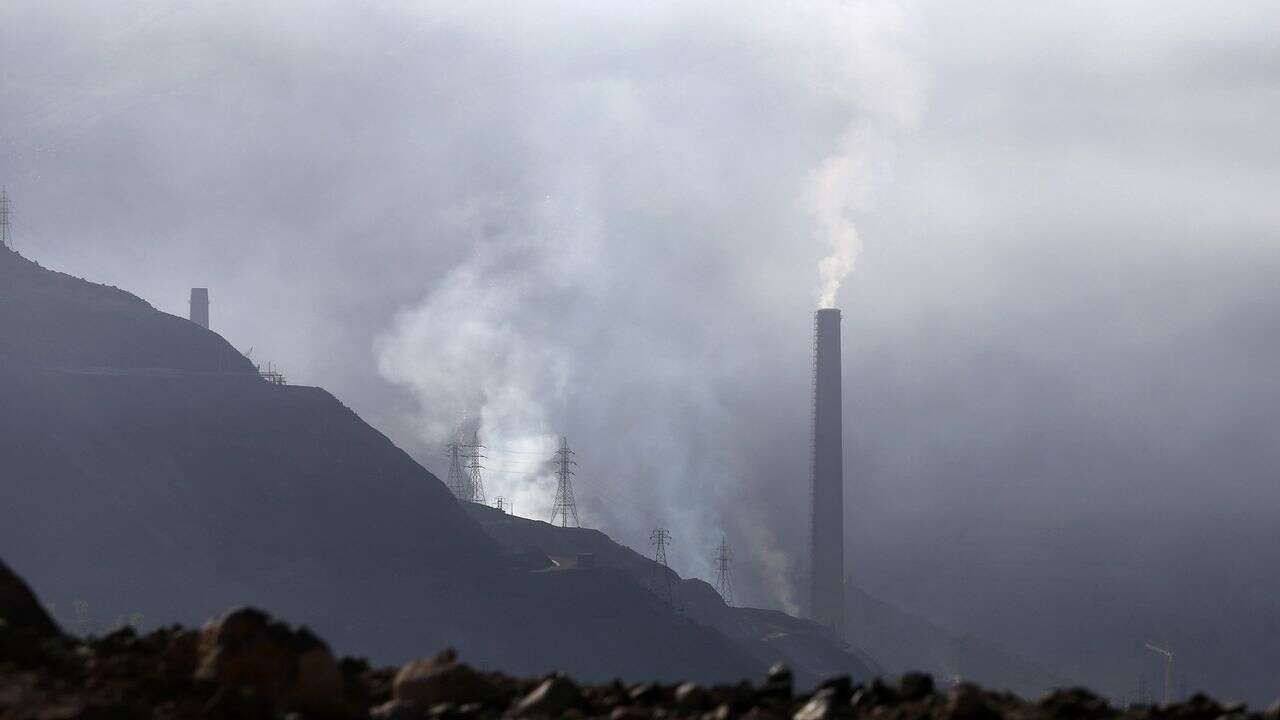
{"x":660,"y":538}
{"x":474,"y":468}
{"x":464,"y":469}
{"x":723,"y":583}
{"x":565,"y":505}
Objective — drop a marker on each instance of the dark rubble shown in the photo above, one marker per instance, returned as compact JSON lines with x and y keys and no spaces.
{"x":247,"y":665}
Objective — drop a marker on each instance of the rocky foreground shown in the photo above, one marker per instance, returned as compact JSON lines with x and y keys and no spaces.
{"x":244,"y":664}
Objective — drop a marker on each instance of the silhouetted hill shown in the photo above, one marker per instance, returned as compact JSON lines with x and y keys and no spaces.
{"x":808,"y":648}
{"x":147,"y":471}
{"x":54,"y":320}
{"x":904,"y":642}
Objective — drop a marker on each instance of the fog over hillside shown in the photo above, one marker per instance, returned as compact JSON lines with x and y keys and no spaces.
{"x":604,"y":220}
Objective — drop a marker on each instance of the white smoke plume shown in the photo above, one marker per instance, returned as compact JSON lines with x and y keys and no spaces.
{"x":606,"y":287}
{"x":830,"y":202}
{"x":880,"y":80}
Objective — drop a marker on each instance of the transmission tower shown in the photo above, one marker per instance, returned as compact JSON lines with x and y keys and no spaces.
{"x":474,"y":466}
{"x":659,"y":539}
{"x":464,"y":468}
{"x":723,"y":584}
{"x":565,"y":505}
{"x":500,"y":503}
{"x":6,"y":240}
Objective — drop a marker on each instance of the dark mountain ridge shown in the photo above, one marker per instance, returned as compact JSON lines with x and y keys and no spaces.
{"x":810,"y":650}
{"x":149,"y":472}
{"x":51,"y":319}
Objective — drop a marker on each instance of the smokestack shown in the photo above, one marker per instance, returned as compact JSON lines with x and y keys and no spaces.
{"x":200,"y":306}
{"x":826,"y":551}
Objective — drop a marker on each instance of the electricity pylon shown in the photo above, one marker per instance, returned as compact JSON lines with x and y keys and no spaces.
{"x":723,"y":584}
{"x":474,"y":466}
{"x":464,"y":469}
{"x":565,"y":505}
{"x":659,"y":539}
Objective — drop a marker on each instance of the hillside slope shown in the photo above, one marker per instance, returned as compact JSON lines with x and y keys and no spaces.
{"x":147,"y":471}
{"x":809,"y":649}
{"x":51,"y":319}
{"x":903,"y":642}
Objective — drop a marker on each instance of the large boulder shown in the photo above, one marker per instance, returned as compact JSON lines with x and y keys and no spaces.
{"x":553,"y":698}
{"x":293,"y":668}
{"x":442,"y":679}
{"x":19,"y":608}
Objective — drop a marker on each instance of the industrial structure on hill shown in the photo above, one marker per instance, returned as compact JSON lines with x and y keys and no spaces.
{"x":200,"y":307}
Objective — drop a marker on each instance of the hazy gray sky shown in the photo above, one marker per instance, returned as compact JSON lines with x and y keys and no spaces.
{"x":606,"y":220}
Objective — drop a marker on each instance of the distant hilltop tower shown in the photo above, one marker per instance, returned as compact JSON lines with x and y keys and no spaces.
{"x":200,"y":307}
{"x":826,"y":550}
{"x":5,"y":240}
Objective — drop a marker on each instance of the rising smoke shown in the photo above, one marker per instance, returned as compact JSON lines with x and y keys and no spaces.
{"x":830,"y":200}
{"x":606,"y":298}
{"x":601,"y":220}
{"x":604,"y":219}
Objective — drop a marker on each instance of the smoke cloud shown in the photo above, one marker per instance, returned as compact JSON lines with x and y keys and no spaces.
{"x":611,"y":221}
{"x":830,"y":198}
{"x":624,"y":237}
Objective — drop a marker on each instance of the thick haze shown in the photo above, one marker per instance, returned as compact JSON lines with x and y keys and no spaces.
{"x":614,"y":221}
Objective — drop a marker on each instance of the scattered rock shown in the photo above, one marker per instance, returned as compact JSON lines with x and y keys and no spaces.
{"x":692,"y":697}
{"x":722,"y":712}
{"x":645,"y":694}
{"x":441,"y":679}
{"x":779,"y":682}
{"x":823,"y":705}
{"x":396,"y":710}
{"x":246,"y":648}
{"x":553,"y":697}
{"x":1077,"y":703}
{"x":245,"y":666}
{"x":181,"y":654}
{"x":966,"y":702}
{"x":841,"y":686}
{"x":915,"y":686}
{"x":237,"y":703}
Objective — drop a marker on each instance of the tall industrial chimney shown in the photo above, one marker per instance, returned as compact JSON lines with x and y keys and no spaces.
{"x":200,"y":306}
{"x":826,"y":551}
